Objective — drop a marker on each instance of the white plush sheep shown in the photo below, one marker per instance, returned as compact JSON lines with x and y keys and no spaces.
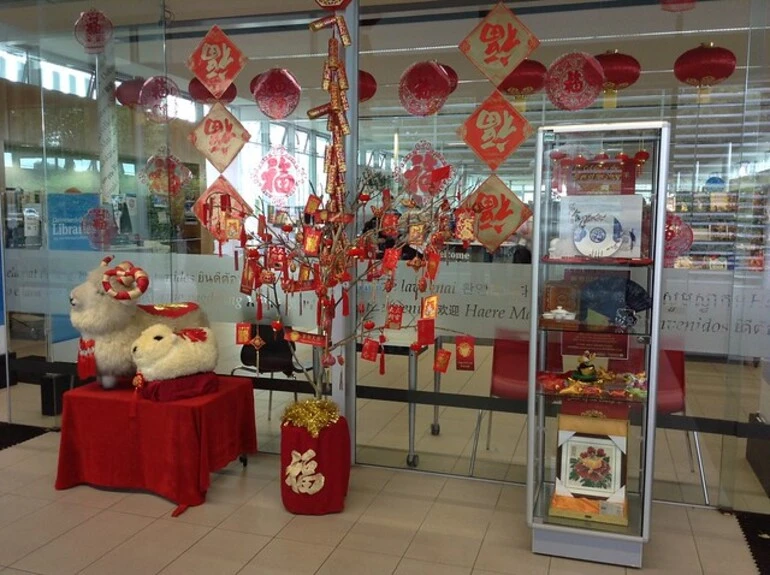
{"x":161,"y":353}
{"x":104,"y":310}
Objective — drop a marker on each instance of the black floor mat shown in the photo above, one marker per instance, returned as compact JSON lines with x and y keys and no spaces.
{"x":13,"y":433}
{"x":756,"y":531}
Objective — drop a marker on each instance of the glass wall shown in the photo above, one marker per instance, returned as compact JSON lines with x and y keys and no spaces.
{"x":78,"y":187}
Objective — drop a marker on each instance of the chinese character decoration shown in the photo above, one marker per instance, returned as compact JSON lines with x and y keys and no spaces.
{"x":93,"y":30}
{"x":302,"y":473}
{"x":574,"y":81}
{"x":499,"y":213}
{"x":620,"y":72}
{"x":216,"y":62}
{"x":158,"y":98}
{"x":276,"y":92}
{"x":424,"y":88}
{"x":219,"y":136}
{"x":165,"y":174}
{"x":495,"y":130}
{"x":424,"y":172}
{"x":498,"y":44}
{"x":100,"y":228}
{"x":527,"y":79}
{"x":279,"y":175}
{"x":201,"y":94}
{"x":219,"y":205}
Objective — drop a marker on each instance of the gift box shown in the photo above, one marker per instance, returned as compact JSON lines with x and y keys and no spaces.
{"x":315,"y":471}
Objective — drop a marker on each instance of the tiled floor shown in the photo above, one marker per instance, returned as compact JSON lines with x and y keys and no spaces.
{"x":395,"y":522}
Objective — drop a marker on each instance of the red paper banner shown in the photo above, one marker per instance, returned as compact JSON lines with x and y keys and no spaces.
{"x":313,"y":339}
{"x":426,"y":331}
{"x":242,"y":333}
{"x":370,"y":349}
{"x":395,"y":316}
{"x":465,"y":359}
{"x":441,"y":360}
{"x":599,"y":177}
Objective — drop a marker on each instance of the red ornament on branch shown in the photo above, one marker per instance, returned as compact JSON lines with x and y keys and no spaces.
{"x":277,"y":93}
{"x":202,"y":95}
{"x":704,"y":67}
{"x":526,"y":79}
{"x":367,"y":86}
{"x":424,"y":88}
{"x":620,"y":72}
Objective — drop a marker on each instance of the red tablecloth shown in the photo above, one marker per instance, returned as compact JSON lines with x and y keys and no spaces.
{"x":110,"y":438}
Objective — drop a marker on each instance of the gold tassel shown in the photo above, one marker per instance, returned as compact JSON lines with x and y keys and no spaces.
{"x":520,"y":103}
{"x":610,"y":99}
{"x":704,"y":94}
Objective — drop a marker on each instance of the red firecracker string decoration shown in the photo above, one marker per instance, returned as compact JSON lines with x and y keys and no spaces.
{"x":620,"y":72}
{"x":704,"y":67}
{"x":526,"y":79}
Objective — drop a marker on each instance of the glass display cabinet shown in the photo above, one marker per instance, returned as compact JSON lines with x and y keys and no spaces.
{"x":598,"y":254}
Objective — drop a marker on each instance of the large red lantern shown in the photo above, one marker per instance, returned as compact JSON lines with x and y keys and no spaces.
{"x":128,"y":92}
{"x":620,"y":72}
{"x":703,"y":67}
{"x":202,"y":95}
{"x":367,"y":86}
{"x":526,"y":79}
{"x":424,"y":88}
{"x":677,"y":5}
{"x":277,"y":93}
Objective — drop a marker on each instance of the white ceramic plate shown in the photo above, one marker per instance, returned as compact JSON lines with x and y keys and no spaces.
{"x":596,"y":240}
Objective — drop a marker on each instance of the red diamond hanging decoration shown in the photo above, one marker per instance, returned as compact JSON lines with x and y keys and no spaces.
{"x":219,"y":204}
{"x":499,"y":213}
{"x":216,"y":61}
{"x":498,"y":44}
{"x":495,"y":130}
{"x":219,"y":136}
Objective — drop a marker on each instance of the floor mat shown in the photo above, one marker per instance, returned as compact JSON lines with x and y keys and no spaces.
{"x":756,"y":531}
{"x":13,"y":433}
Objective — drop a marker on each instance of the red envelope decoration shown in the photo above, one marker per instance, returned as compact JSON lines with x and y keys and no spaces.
{"x":499,"y":212}
{"x":219,"y":137}
{"x":311,"y":240}
{"x":369,"y":349}
{"x":216,"y":61}
{"x":242,"y":333}
{"x":465,"y":222}
{"x":249,"y":275}
{"x":426,"y":331}
{"x":429,"y":307}
{"x":465,"y":346}
{"x":276,"y":257}
{"x":218,"y":203}
{"x":495,"y":130}
{"x":312,"y":205}
{"x":574,"y":81}
{"x":390,"y":225}
{"x":433,"y":259}
{"x":441,"y":360}
{"x":395,"y":316}
{"x":498,"y":44}
{"x":390,"y":258}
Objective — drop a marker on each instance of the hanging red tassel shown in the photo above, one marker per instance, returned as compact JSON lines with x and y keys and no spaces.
{"x":382,"y":355}
{"x":259,"y":307}
{"x":333,"y":308}
{"x":345,"y":302}
{"x":235,"y":259}
{"x":243,"y":238}
{"x":219,"y":248}
{"x":318,"y":310}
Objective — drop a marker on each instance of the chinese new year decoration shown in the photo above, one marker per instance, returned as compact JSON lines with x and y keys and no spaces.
{"x":221,"y":210}
{"x":454,"y":79}
{"x":424,"y":172}
{"x":276,"y":92}
{"x":279,"y":175}
{"x":704,"y":67}
{"x":424,"y":88}
{"x":128,"y":92}
{"x":158,"y":98}
{"x":499,"y":213}
{"x":498,"y":44}
{"x":620,"y":72}
{"x":219,"y":136}
{"x":495,"y":130}
{"x":678,"y":237}
{"x":677,"y":5}
{"x":201,"y":94}
{"x":100,"y":228}
{"x":367,"y":86}
{"x":526,"y":79}
{"x":165,"y":174}
{"x":216,"y":62}
{"x":93,"y":30}
{"x":574,"y":81}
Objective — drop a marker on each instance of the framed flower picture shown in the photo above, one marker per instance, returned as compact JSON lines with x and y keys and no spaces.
{"x":591,"y":465}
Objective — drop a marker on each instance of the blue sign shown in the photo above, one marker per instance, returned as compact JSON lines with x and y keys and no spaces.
{"x":714,"y":184}
{"x":65,"y":214}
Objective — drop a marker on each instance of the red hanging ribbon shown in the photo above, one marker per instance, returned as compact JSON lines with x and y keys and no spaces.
{"x":345,"y":302}
{"x":259,"y":307}
{"x":333,"y":308}
{"x":235,"y":259}
{"x":382,"y":354}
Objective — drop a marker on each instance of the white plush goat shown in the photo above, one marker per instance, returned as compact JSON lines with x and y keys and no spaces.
{"x":161,"y":353}
{"x":104,"y":310}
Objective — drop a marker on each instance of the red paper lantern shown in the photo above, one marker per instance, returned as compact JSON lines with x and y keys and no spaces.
{"x":424,"y":87}
{"x":454,"y":79}
{"x":277,"y":93}
{"x":93,"y":30}
{"x":620,"y":72}
{"x":128,"y":92}
{"x":201,"y":94}
{"x":367,"y":86}
{"x":703,"y":67}
{"x":526,"y":79}
{"x":677,"y":5}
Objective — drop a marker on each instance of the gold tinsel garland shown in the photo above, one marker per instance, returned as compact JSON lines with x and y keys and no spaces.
{"x":312,"y":414}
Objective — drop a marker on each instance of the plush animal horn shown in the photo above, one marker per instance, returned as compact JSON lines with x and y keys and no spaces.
{"x":106,"y":260}
{"x":133,"y":278}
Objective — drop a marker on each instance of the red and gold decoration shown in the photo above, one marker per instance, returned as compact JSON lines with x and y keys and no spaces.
{"x":279,"y":176}
{"x":495,"y":130}
{"x":679,"y":238}
{"x":221,"y":207}
{"x":201,"y":94}
{"x":441,"y":360}
{"x":367,"y":86}
{"x":465,"y":353}
{"x":620,"y":72}
{"x":100,"y":228}
{"x":276,"y":92}
{"x":93,"y":30}
{"x":219,"y":137}
{"x":574,"y":81}
{"x":128,"y":92}
{"x":526,"y":79}
{"x":498,"y":44}
{"x":165,"y":174}
{"x":499,"y":212}
{"x":216,"y":62}
{"x":424,"y":88}
{"x":158,"y":98}
{"x":597,"y":174}
{"x":424,"y":172}
{"x":704,"y":67}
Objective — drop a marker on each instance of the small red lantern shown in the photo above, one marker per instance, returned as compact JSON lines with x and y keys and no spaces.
{"x":201,"y":94}
{"x":128,"y":92}
{"x":703,"y":67}
{"x":277,"y":93}
{"x":454,"y":79}
{"x":367,"y":86}
{"x":677,"y":5}
{"x":620,"y":72}
{"x":423,"y":88}
{"x":93,"y":30}
{"x":526,"y":79}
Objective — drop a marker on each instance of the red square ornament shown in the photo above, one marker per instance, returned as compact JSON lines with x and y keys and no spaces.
{"x":216,"y":61}
{"x":219,"y":137}
{"x":495,"y":130}
{"x":369,"y":349}
{"x":465,"y":359}
{"x":217,"y":204}
{"x":498,"y":44}
{"x":426,"y":331}
{"x":395,"y":316}
{"x":499,"y":212}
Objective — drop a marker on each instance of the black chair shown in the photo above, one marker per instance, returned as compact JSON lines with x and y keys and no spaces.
{"x":275,"y":356}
